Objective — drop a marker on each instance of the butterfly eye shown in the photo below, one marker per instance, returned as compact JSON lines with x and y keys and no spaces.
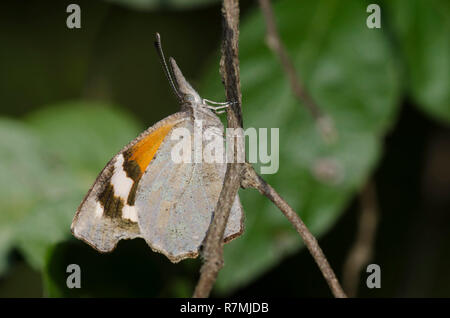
{"x":189,"y":98}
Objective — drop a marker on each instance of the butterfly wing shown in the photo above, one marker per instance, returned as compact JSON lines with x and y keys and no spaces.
{"x":142,"y":192}
{"x":176,"y":202}
{"x":108,"y":213}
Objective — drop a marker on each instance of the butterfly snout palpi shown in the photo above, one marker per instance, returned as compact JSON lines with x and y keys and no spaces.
{"x":143,"y":192}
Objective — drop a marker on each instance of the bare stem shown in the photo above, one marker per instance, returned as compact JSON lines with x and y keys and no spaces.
{"x":229,"y":68}
{"x":239,"y":174}
{"x":252,"y":180}
{"x":324,"y":123}
{"x":362,"y":250}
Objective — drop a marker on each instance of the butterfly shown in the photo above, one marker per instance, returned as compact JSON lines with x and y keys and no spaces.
{"x":143,"y":193}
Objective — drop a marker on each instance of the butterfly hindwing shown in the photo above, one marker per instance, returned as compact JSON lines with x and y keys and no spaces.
{"x":176,"y":202}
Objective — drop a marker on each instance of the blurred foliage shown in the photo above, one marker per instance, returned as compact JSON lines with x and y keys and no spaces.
{"x":48,"y":164}
{"x":22,"y":183}
{"x":422,"y":30}
{"x":50,"y":156}
{"x":162,"y":4}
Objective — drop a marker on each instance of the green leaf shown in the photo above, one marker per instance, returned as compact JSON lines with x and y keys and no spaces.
{"x":162,"y":4}
{"x":6,"y":243}
{"x":83,"y":136}
{"x":47,"y":167}
{"x":47,"y":224}
{"x":350,"y":72}
{"x":23,"y":170}
{"x":422,"y":29}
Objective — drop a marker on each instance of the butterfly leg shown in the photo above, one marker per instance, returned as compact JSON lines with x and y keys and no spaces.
{"x":206,"y":101}
{"x":220,"y":105}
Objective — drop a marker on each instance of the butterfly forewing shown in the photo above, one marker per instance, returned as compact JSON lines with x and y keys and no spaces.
{"x":107,"y":213}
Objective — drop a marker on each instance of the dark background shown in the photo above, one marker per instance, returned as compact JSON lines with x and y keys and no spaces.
{"x":112,"y":59}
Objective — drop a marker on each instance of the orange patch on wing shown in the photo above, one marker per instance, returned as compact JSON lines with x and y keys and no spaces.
{"x":144,"y":151}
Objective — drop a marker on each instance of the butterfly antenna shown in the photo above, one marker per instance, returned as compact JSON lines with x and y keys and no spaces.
{"x":166,"y":69}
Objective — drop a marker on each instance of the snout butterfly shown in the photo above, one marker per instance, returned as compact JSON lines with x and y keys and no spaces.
{"x":143,"y":193}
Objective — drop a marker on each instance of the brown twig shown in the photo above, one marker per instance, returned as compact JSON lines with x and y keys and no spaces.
{"x":324,"y":123}
{"x":251,"y":179}
{"x":243,"y":174}
{"x":326,"y":127}
{"x":362,"y":250}
{"x":229,"y":67}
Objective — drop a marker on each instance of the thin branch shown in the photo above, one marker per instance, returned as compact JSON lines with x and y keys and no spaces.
{"x":238,"y":174}
{"x":229,"y":68}
{"x":326,"y":127}
{"x":324,"y":123}
{"x":252,"y":180}
{"x":362,"y":250}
